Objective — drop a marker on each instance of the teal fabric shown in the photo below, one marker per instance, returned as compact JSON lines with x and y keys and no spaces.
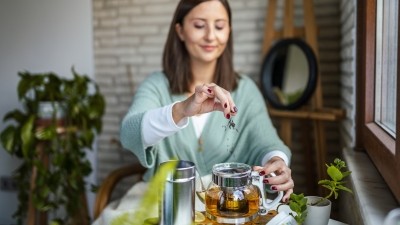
{"x":254,"y":137}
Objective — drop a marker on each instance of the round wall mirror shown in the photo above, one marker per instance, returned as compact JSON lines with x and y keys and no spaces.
{"x":289,"y":74}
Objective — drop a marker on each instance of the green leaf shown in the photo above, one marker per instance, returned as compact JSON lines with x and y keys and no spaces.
{"x":150,"y":198}
{"x":88,"y":137}
{"x":16,"y":115}
{"x":329,"y":187}
{"x":334,"y":173}
{"x":55,"y":222}
{"x":346,"y":173}
{"x":339,"y":163}
{"x":47,"y":133}
{"x":294,"y":206}
{"x":27,"y":136}
{"x":7,"y":139}
{"x":336,"y":194}
{"x":341,"y":187}
{"x":24,"y":84}
{"x":324,"y":182}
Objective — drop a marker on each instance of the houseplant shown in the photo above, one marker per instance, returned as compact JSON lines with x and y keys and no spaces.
{"x":314,"y":210}
{"x":52,"y":145}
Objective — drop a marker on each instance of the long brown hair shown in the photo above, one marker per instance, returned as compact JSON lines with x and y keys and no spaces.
{"x":176,"y":60}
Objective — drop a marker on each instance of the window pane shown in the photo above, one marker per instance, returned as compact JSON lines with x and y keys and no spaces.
{"x":386,"y":65}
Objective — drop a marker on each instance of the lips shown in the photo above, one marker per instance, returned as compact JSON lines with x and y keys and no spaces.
{"x":208,"y":48}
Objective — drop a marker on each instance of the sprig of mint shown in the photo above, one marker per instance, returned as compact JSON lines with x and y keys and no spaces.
{"x":298,"y":204}
{"x":337,"y":173}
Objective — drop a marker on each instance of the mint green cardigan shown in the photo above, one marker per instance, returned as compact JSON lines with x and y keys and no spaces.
{"x":253,"y":137}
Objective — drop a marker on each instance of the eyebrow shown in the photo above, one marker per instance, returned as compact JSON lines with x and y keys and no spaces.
{"x":202,"y":19}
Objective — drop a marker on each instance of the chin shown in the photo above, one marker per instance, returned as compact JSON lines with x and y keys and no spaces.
{"x":209,"y":59}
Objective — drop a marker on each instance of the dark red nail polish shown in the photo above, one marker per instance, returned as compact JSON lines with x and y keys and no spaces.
{"x":225,"y":105}
{"x":209,"y":90}
{"x":228,"y":116}
{"x":266,"y":181}
{"x":235,"y":109}
{"x":262,"y":173}
{"x":273,"y":188}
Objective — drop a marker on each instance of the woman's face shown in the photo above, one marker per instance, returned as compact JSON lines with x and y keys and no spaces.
{"x":205,"y":31}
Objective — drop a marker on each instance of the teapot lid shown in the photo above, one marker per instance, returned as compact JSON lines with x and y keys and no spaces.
{"x":231,"y":174}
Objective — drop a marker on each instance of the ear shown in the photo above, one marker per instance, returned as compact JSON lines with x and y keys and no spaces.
{"x":179,"y":31}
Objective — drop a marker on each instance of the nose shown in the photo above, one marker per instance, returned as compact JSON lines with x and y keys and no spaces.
{"x":210,"y":35}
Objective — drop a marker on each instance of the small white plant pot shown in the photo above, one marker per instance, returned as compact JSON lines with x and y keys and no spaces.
{"x":317,"y":214}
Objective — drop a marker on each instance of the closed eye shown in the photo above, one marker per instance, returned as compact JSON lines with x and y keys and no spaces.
{"x":198,"y":26}
{"x":220,"y":24}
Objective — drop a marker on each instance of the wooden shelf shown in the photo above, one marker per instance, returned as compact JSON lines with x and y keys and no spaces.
{"x":325,"y":114}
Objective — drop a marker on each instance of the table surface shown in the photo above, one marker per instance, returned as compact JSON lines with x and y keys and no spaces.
{"x":268,"y":217}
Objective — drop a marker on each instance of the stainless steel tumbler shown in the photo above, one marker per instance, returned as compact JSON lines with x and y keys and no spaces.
{"x":177,"y":205}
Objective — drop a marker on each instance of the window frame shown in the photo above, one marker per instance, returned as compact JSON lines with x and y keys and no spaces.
{"x":370,"y":137}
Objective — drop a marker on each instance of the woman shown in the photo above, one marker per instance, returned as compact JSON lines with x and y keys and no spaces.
{"x":199,"y":108}
{"x":173,"y":112}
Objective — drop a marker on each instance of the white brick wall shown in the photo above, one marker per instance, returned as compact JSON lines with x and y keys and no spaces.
{"x":129,"y":38}
{"x":348,"y":70}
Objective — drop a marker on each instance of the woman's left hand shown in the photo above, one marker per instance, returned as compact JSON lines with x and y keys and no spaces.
{"x":282,"y":181}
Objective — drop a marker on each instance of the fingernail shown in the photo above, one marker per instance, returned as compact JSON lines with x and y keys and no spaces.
{"x":209,"y":90}
{"x":235,"y":109}
{"x":273,"y":188}
{"x":266,"y":181}
{"x":225,"y":105}
{"x":228,"y":116}
{"x":262,"y":173}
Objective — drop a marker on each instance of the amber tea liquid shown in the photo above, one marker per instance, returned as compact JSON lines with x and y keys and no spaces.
{"x":236,"y":204}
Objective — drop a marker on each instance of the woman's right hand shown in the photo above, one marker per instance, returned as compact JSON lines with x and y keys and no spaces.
{"x":206,"y":98}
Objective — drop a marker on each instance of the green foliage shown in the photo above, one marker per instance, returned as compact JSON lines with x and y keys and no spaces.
{"x":336,"y":171}
{"x":150,"y":199}
{"x":53,"y":148}
{"x":298,"y":204}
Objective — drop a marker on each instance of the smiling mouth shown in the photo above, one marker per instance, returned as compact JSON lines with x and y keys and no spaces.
{"x":208,"y":48}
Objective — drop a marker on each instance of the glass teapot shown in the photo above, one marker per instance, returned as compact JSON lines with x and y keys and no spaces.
{"x":237,"y":194}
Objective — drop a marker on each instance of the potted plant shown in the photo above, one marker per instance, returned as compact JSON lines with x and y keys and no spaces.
{"x":316,"y":210}
{"x":52,"y":142}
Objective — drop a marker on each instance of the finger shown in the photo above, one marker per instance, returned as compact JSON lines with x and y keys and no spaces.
{"x":233,"y":109}
{"x":258,"y":168}
{"x":275,"y":166}
{"x":278,"y":179}
{"x":284,"y":186}
{"x":204,"y":91}
{"x":203,"y":100}
{"x":286,"y":197}
{"x":268,"y":169}
{"x":223,"y":100}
